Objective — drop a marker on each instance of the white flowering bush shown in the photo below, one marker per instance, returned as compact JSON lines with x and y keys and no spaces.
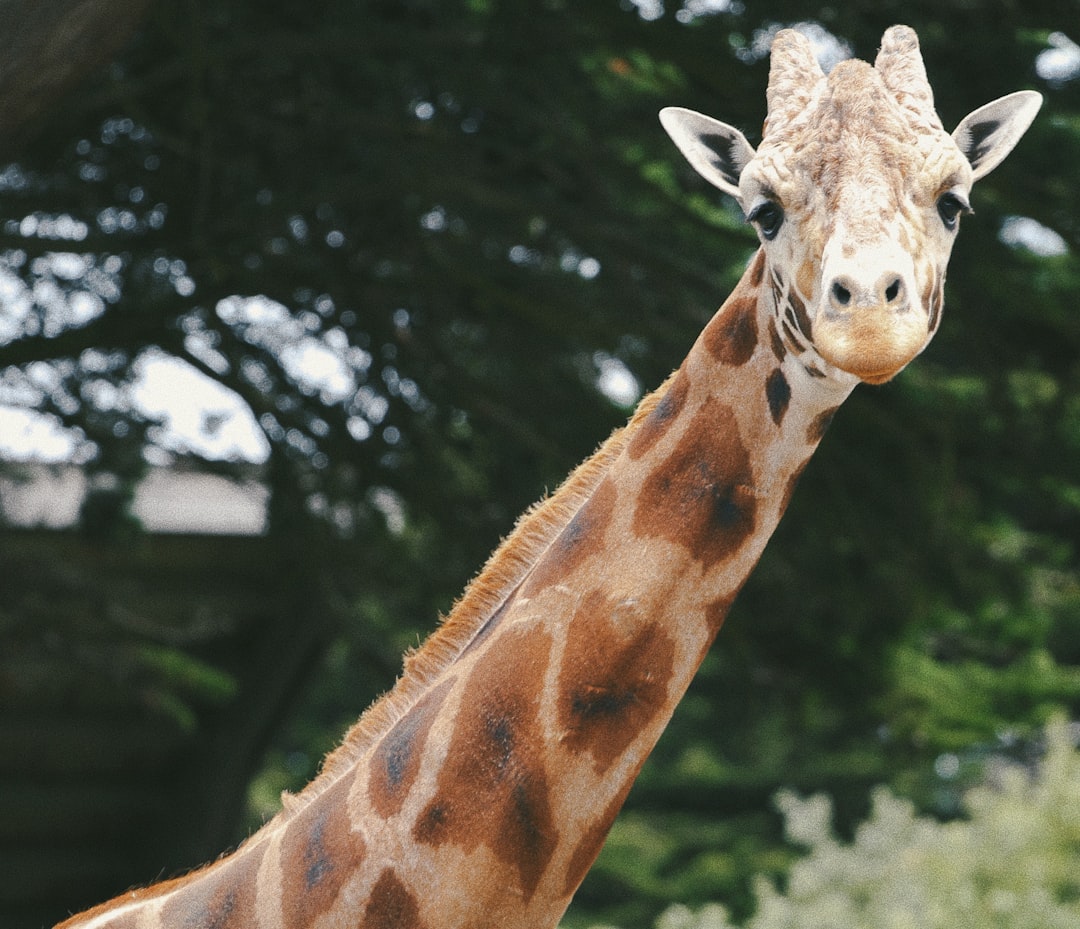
{"x":1012,"y":863}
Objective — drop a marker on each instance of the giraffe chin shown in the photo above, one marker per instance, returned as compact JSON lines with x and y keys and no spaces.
{"x":874,"y":350}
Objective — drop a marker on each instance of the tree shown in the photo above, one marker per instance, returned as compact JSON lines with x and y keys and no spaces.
{"x":468,"y":212}
{"x":47,"y":49}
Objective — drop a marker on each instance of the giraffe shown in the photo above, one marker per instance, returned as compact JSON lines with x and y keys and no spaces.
{"x":479,"y":790}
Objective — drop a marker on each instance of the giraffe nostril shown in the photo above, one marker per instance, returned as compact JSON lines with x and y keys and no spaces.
{"x":894,"y":290}
{"x":847,"y":293}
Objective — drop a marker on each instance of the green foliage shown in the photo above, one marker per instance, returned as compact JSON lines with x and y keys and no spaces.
{"x":952,"y":704}
{"x":180,"y":679}
{"x":1013,"y":862}
{"x":473,"y":203}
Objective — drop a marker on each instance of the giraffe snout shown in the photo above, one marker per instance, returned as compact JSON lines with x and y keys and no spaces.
{"x":865,"y":324}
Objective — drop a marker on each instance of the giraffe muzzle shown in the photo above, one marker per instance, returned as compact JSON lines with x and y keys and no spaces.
{"x":870,"y":329}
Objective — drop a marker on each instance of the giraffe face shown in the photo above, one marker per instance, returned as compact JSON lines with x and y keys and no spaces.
{"x":857,"y":207}
{"x":856,"y":192}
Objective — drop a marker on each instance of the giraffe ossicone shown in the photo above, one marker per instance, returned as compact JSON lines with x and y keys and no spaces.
{"x":478,"y":792}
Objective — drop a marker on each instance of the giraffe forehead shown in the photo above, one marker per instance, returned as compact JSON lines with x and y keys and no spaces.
{"x":855,"y":149}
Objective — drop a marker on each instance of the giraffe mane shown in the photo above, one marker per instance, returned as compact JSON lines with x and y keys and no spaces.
{"x":503,"y":572}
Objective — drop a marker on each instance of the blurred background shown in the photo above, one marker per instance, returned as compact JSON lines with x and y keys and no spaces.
{"x":302,"y":304}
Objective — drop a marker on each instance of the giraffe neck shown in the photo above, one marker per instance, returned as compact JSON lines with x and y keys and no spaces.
{"x":481,"y":790}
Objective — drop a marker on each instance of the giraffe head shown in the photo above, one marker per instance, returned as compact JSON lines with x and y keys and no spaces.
{"x":856,"y":191}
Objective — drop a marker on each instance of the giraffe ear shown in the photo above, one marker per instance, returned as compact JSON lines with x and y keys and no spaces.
{"x":717,"y":151}
{"x":989,"y":134}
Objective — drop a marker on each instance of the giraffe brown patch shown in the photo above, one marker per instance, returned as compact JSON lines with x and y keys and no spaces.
{"x":732,"y":335}
{"x":815,"y":432}
{"x":933,"y":303}
{"x":662,"y":416}
{"x":221,"y":897}
{"x":716,"y":612}
{"x":592,"y":840}
{"x":493,"y":789}
{"x":395,"y":761}
{"x":582,"y":537}
{"x":319,"y":852}
{"x":777,"y":343}
{"x":757,"y":268}
{"x":613,"y":682}
{"x":778,"y":393}
{"x":702,"y":496}
{"x":802,"y":318}
{"x":790,"y":333}
{"x":391,"y":905}
{"x":804,"y":278}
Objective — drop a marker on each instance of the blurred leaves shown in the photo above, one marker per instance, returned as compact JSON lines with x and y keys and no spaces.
{"x":1011,"y":863}
{"x":406,"y":237}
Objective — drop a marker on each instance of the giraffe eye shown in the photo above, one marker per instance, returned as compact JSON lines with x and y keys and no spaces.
{"x":768,"y":216}
{"x":949,"y":206}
